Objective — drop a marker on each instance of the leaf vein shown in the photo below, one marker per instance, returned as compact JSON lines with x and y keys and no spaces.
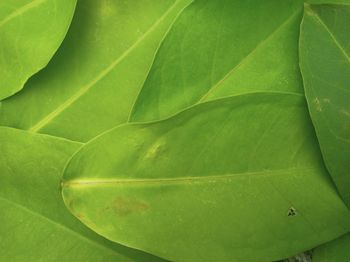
{"x":335,"y":40}
{"x":21,"y":10}
{"x":59,"y":225}
{"x":47,"y":119}
{"x":257,"y":47}
{"x":92,"y":182}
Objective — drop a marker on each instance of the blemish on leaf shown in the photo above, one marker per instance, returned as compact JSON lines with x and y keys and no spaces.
{"x":292,"y":212}
{"x":125,"y":206}
{"x":318,"y":104}
{"x":326,"y":100}
{"x":80,"y":216}
{"x":156,"y":149}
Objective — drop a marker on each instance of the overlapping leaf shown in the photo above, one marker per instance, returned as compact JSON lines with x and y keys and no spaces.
{"x":30,"y":33}
{"x":229,"y":180}
{"x":211,"y":53}
{"x":335,"y":251}
{"x":325,"y":64}
{"x":91,"y":84}
{"x":35,"y":225}
{"x":176,"y":177}
{"x":236,"y":179}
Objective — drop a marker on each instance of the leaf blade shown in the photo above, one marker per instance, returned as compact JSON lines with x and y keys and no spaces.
{"x":325,"y":61}
{"x":334,"y":251}
{"x":35,"y":225}
{"x":30,"y":32}
{"x":187,"y":65}
{"x":166,"y":178}
{"x":94,"y":79}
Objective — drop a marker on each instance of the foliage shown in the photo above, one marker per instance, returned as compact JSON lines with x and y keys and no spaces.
{"x":186,"y":130}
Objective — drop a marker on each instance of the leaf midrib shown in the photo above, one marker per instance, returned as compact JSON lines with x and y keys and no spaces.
{"x":184,"y":180}
{"x":83,"y":90}
{"x":21,"y":10}
{"x":251,"y":53}
{"x":59,"y":225}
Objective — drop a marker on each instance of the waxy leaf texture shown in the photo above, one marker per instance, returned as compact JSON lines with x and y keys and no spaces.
{"x":91,"y":84}
{"x":210,"y":53}
{"x":177,"y":130}
{"x":35,"y":225}
{"x":335,"y":251}
{"x":325,"y":65}
{"x":212,"y":183}
{"x":30,"y":33}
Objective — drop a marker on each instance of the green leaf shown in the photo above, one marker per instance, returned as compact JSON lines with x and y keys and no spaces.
{"x":93,"y":81}
{"x":30,"y":33}
{"x":317,"y":2}
{"x":221,"y":48}
{"x":325,"y":65}
{"x":233,"y":179}
{"x":35,"y":225}
{"x":335,"y":251}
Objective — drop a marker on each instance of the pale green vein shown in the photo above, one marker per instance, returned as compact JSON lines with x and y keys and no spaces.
{"x":251,"y":53}
{"x":59,"y":225}
{"x":194,"y":179}
{"x":313,"y":14}
{"x":100,"y":76}
{"x":21,"y":10}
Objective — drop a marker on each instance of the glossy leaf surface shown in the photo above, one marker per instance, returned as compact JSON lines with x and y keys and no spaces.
{"x":35,"y":224}
{"x":325,"y":64}
{"x":30,"y":33}
{"x":234,"y":179}
{"x":220,"y":48}
{"x":91,"y":84}
{"x":334,"y":251}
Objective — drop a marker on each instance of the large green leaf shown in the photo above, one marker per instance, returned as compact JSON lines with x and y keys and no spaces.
{"x":235,"y":179}
{"x":335,"y":251}
{"x":325,"y":65}
{"x":30,"y":33}
{"x":220,"y":48}
{"x":35,"y":225}
{"x":92,"y":82}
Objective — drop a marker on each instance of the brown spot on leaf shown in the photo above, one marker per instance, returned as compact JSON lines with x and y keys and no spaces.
{"x":125,"y":206}
{"x":80,"y":216}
